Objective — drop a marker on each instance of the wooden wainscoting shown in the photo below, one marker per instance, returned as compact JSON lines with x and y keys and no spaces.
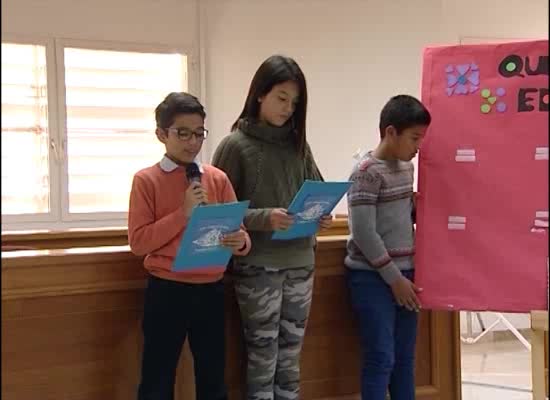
{"x":95,"y":237}
{"x":71,"y":238}
{"x":71,"y":330}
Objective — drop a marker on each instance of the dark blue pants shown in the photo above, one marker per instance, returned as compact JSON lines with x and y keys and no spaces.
{"x":174,"y":311}
{"x":388,"y":337}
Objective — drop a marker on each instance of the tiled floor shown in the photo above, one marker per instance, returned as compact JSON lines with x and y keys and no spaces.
{"x":496,"y":370}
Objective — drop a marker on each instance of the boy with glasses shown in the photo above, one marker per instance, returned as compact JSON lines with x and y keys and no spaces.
{"x":179,"y":304}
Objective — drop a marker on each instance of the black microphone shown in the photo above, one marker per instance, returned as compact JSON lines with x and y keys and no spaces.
{"x":194,"y":175}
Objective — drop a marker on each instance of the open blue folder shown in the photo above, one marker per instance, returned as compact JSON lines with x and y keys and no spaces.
{"x":313,"y":200}
{"x":200,"y":245}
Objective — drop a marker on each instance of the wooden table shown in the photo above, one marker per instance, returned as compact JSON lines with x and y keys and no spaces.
{"x":539,"y":325}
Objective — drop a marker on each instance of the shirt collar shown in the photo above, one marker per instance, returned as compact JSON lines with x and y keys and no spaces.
{"x":167,"y":165}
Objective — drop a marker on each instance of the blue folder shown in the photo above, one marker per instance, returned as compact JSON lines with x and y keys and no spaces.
{"x":200,"y":245}
{"x":313,"y":200}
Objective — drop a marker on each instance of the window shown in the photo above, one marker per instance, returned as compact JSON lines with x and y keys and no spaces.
{"x":24,"y":130}
{"x":77,"y":123}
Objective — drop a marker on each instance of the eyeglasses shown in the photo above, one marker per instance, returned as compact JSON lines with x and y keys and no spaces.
{"x":186,"y":134}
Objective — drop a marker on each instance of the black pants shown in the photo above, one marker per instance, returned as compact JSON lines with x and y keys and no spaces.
{"x":172,"y":312}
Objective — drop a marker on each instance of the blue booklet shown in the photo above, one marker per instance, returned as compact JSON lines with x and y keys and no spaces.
{"x":313,"y":200}
{"x":200,"y":245}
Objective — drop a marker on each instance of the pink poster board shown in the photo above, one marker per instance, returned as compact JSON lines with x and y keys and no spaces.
{"x":482,"y":219}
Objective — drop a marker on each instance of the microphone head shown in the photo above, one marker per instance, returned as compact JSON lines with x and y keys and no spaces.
{"x":193,"y":172}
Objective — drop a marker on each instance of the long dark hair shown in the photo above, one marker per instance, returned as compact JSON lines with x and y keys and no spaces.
{"x":273,"y":71}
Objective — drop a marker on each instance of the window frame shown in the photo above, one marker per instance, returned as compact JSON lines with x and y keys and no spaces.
{"x":59,"y":217}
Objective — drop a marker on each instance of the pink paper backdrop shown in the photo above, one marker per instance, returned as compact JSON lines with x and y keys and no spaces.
{"x":482,"y":222}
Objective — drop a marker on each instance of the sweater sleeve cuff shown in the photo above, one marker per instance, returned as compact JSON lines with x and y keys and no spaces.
{"x":390,"y":273}
{"x":246,"y":248}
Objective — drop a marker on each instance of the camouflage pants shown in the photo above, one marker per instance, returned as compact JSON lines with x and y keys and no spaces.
{"x":274,"y":305}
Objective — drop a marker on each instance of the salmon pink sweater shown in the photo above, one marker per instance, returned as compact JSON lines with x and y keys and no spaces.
{"x":156,"y":219}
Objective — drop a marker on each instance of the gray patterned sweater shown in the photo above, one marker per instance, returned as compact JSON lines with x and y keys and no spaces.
{"x":380,"y":217}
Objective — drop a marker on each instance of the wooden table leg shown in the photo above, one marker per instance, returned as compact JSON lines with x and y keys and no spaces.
{"x":537,"y":365}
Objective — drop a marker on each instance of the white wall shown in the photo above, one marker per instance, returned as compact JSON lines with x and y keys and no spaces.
{"x":355,"y":55}
{"x":169,"y":22}
{"x":166,"y":23}
{"x":354,"y":58}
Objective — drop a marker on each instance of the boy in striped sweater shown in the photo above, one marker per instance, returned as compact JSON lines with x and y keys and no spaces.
{"x":379,"y":261}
